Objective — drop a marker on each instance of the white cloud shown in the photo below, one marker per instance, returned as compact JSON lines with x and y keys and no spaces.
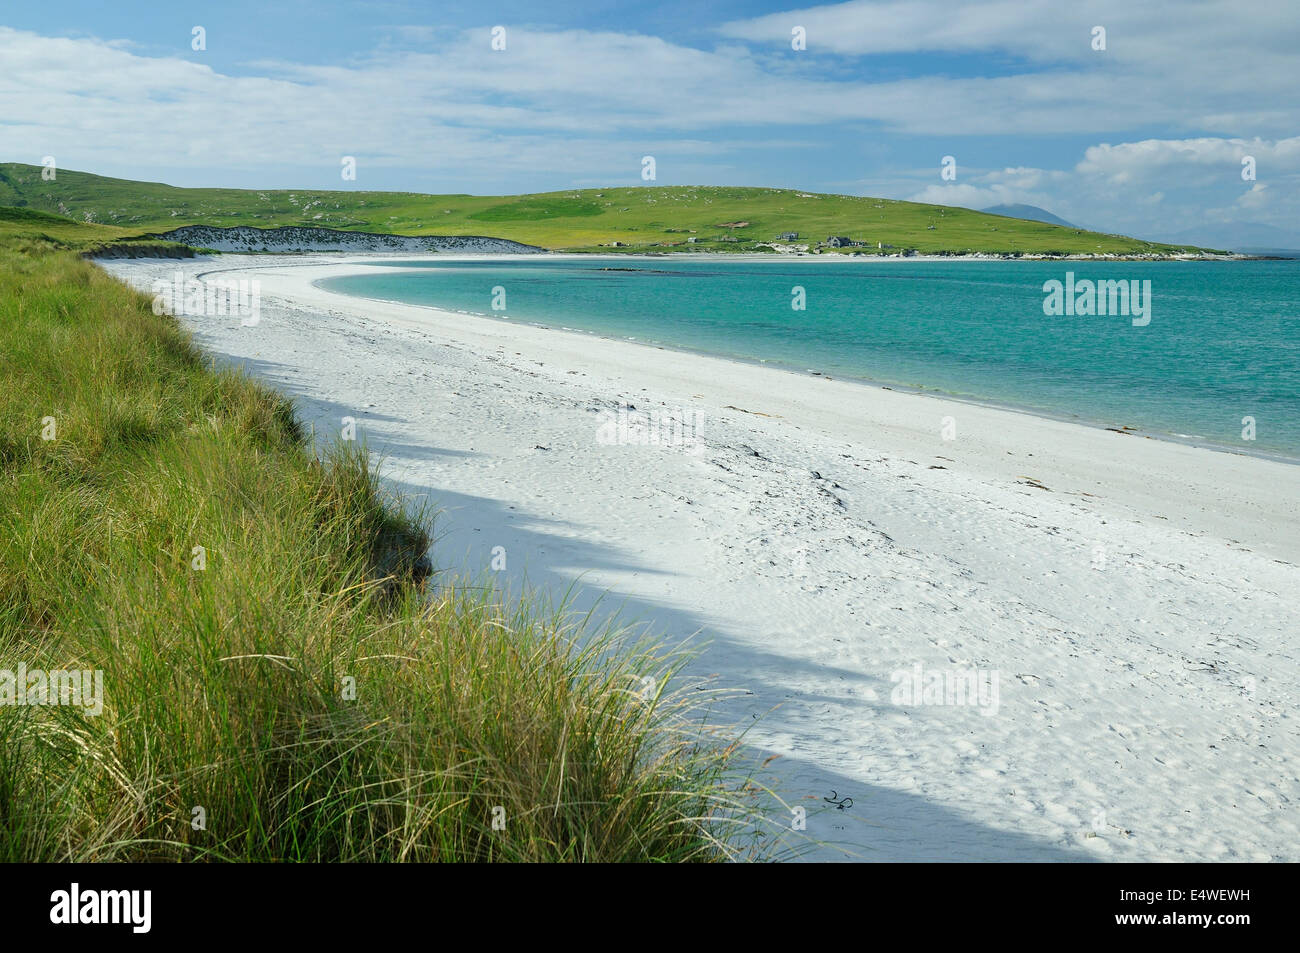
{"x":1038,"y":30}
{"x":1010,"y":186}
{"x":1114,"y":187}
{"x":901,"y":26}
{"x":1213,"y":64}
{"x":1255,"y":197}
{"x":585,"y":97}
{"x":1152,"y":158}
{"x":573,"y":105}
{"x":964,"y":196}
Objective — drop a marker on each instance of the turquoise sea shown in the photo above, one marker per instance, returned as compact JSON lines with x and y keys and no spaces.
{"x":1223,"y":342}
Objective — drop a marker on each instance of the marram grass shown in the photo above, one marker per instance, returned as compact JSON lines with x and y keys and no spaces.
{"x":301,"y":697}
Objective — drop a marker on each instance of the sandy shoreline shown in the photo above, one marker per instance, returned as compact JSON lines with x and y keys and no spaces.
{"x":1134,"y":598}
{"x":1078,"y":420}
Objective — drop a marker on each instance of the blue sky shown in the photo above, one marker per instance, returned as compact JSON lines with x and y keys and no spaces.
{"x":1144,"y":137}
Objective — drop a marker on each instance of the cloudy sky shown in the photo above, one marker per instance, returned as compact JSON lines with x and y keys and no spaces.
{"x":1145,"y":137}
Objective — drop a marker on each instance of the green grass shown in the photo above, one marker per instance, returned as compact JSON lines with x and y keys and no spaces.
{"x":225,"y":687}
{"x":25,"y":225}
{"x":644,"y":219}
{"x":28,"y":228}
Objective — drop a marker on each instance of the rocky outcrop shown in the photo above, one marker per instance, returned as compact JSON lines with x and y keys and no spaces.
{"x":294,"y":238}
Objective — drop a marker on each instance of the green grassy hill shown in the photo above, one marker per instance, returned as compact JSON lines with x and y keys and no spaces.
{"x":641,"y":219}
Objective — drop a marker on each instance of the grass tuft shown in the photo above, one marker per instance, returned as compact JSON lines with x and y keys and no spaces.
{"x":272,"y":658}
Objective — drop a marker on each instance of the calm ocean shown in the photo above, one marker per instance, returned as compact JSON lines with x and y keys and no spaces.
{"x":1222,"y":344}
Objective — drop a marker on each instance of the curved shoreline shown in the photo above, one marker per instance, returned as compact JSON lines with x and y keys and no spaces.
{"x":1100,"y":441}
{"x":1202,"y":443}
{"x":825,"y":541}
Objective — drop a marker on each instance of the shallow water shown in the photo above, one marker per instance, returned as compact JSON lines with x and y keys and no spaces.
{"x":1222,"y":344}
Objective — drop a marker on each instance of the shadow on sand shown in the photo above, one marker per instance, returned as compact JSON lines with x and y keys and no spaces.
{"x":882,"y":824}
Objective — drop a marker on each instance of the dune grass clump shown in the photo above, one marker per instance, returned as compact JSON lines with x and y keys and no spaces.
{"x":278,"y":682}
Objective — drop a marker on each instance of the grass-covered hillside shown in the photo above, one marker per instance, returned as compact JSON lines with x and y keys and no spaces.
{"x":27,"y":227}
{"x":641,"y":219}
{"x":278,"y":682}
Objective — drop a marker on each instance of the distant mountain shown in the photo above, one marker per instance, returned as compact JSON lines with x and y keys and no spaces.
{"x":1030,"y":213}
{"x":1250,"y":237}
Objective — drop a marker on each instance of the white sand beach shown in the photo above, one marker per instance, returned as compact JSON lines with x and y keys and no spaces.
{"x":1135,"y":599}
